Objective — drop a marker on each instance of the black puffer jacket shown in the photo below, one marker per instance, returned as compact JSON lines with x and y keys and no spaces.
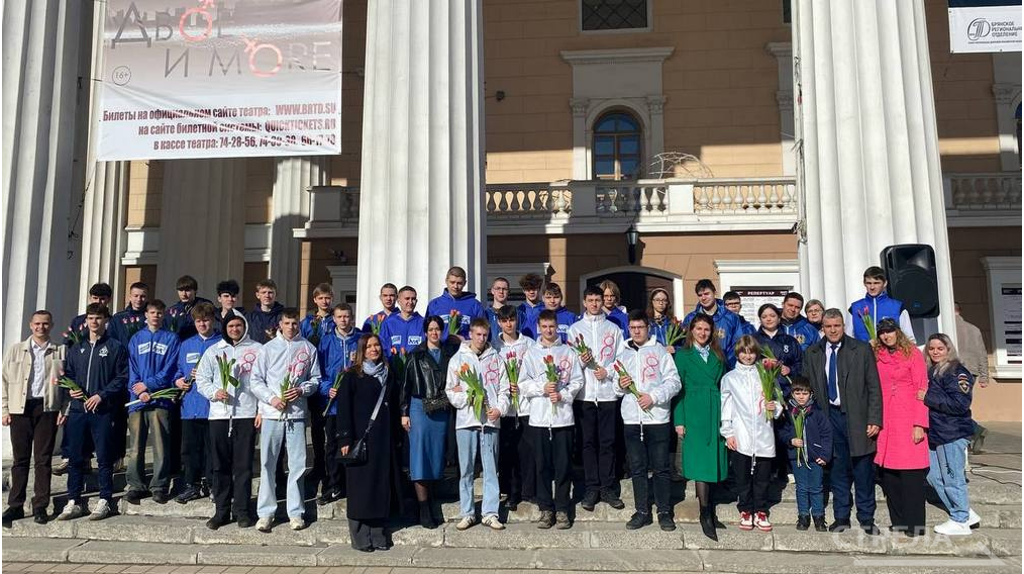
{"x":424,"y":377}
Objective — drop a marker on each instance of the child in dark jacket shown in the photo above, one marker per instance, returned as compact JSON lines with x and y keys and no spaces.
{"x":808,"y":452}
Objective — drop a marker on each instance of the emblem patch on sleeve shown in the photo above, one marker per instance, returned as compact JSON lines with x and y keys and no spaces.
{"x":964,"y":382}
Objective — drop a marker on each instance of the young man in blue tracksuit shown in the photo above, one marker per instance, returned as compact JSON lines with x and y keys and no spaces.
{"x":875,"y":306}
{"x":99,"y":365}
{"x":527,"y":311}
{"x":610,"y":300}
{"x":178,"y":317}
{"x":403,"y":331}
{"x":553,"y":303}
{"x":336,"y":352}
{"x":152,"y":361}
{"x":727,"y":323}
{"x":195,"y":408}
{"x":389,"y":305}
{"x":319,"y":323}
{"x":132,"y":319}
{"x":794,"y":324}
{"x":734,"y":303}
{"x":499,"y":298}
{"x":455,"y":300}
{"x":265,"y":316}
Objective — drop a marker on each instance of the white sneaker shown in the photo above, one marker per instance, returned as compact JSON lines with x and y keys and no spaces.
{"x":492,"y":522}
{"x":297,"y":523}
{"x":953,"y":528}
{"x":761,"y":522}
{"x":264,"y":523}
{"x":465,"y":523}
{"x":972,"y":518}
{"x":71,"y":510}
{"x":101,"y":510}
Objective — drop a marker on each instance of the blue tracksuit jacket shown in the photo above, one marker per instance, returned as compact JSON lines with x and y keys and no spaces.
{"x":152,"y":359}
{"x":193,"y":404}
{"x":466,"y":304}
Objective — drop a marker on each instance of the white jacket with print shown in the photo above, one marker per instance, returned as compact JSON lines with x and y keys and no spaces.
{"x":604,"y":339}
{"x":276,"y":359}
{"x":518,"y":349}
{"x":653,"y":372}
{"x":534,"y":379}
{"x":488,"y":366}
{"x":243,"y":403}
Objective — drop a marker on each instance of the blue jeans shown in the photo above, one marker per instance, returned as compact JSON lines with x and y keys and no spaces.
{"x":946,"y":475}
{"x":810,"y":494}
{"x":273,"y":435}
{"x":857,"y":472}
{"x":98,"y":427}
{"x":142,"y":423}
{"x":486,"y":442}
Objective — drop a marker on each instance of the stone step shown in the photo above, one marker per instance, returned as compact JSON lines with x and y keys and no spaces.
{"x":521,"y":536}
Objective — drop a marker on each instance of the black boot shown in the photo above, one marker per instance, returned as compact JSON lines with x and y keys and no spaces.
{"x":426,"y":516}
{"x":803,"y":522}
{"x":819,"y":524}
{"x":714,"y":519}
{"x":707,"y":523}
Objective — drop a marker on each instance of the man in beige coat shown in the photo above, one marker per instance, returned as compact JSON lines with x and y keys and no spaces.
{"x":33,"y":406}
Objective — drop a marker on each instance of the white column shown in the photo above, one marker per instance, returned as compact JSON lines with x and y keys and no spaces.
{"x":202,"y":224}
{"x":783,"y":53}
{"x":421,"y":192}
{"x":293,"y":176}
{"x":580,"y":157}
{"x":42,"y":41}
{"x":871,"y":174}
{"x":103,"y":237}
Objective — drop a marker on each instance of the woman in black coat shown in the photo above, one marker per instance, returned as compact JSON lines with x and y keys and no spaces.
{"x":372,"y":486}
{"x":426,"y":413}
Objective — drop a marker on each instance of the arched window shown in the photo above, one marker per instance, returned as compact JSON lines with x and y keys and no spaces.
{"x":616,"y":150}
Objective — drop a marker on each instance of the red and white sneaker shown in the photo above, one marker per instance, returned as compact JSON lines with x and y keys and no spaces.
{"x":762,"y":523}
{"x":746,"y":521}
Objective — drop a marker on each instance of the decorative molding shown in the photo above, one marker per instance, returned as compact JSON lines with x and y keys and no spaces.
{"x":656,"y":104}
{"x":779,"y":49}
{"x":784,"y":98}
{"x":757,"y":266}
{"x":1006,"y":93}
{"x":258,"y":238}
{"x":579,"y":106}
{"x":617,"y":56}
{"x":142,"y":245}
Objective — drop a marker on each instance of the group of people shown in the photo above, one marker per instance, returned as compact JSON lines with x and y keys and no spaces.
{"x":842,"y":394}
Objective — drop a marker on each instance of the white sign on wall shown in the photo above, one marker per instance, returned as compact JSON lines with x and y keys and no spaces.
{"x":985,"y":26}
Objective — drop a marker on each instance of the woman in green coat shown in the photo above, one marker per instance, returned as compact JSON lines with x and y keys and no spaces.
{"x":697,"y":415}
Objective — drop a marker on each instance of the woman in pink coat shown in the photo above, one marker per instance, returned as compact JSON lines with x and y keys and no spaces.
{"x":902,"y":454}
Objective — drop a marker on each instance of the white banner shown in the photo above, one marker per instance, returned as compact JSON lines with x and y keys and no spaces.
{"x":982,"y":28}
{"x":220,"y":78}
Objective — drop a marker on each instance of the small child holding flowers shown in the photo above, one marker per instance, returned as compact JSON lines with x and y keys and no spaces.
{"x":808,"y":433}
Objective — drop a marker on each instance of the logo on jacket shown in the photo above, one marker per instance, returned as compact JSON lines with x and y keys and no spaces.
{"x":414,"y":340}
{"x":800,"y":338}
{"x":104,"y":352}
{"x":144,"y":348}
{"x":160,"y":349}
{"x":964,"y":382}
{"x":191,"y":358}
{"x":720,"y":333}
{"x":785,"y":348}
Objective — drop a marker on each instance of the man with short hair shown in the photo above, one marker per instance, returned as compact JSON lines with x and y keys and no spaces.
{"x":389,"y":302}
{"x":517,"y":475}
{"x":285,"y":375}
{"x":734,"y":303}
{"x":125,"y":323}
{"x":178,"y":317}
{"x":597,"y":402}
{"x":727,"y":323}
{"x":499,"y":297}
{"x":99,"y":366}
{"x":402,"y":331}
{"x":532,"y":285}
{"x":152,"y":360}
{"x":844,"y":380}
{"x":796,"y":325}
{"x":227,"y":296}
{"x":875,"y":306}
{"x":195,"y":407}
{"x":564,"y":317}
{"x":318,"y":323}
{"x":266,"y":314}
{"x":100,"y":293}
{"x":456,"y":302}
{"x":32,"y":408}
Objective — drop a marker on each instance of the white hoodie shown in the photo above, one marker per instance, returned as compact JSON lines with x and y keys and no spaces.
{"x":653,"y":372}
{"x":243,"y":403}
{"x":518,"y":348}
{"x":488,"y":365}
{"x":604,"y":338}
{"x":743,"y":408}
{"x":534,"y":378}
{"x":277,"y":358}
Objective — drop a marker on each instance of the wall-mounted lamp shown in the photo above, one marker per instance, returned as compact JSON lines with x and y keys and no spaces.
{"x":632,"y":238}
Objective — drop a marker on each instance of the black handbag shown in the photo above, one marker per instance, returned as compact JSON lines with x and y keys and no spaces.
{"x":357,"y":453}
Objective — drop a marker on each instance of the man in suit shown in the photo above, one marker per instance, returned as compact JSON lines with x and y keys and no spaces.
{"x":845,"y":381}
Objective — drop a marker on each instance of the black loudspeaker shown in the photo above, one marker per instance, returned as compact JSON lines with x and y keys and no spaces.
{"x":910,"y":269}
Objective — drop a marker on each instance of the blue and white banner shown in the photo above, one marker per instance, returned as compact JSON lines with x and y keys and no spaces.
{"x":985,"y":26}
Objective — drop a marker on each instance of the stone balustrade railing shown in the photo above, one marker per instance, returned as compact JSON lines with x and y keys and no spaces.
{"x":983,"y":191}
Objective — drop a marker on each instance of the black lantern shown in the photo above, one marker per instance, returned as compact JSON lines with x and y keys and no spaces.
{"x":632,"y":238}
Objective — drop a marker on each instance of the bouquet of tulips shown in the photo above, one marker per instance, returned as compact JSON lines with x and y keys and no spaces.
{"x":375,"y":323}
{"x":169,"y":393}
{"x":581,"y":347}
{"x":286,"y":385}
{"x":315,"y":333}
{"x":399,"y":358}
{"x":67,"y":383}
{"x":551,"y":372}
{"x":174,"y":320}
{"x":454,"y":322}
{"x":869,"y":322}
{"x":799,"y":415}
{"x":512,"y":365}
{"x":335,"y":385}
{"x":475,"y":395}
{"x":75,"y":336}
{"x":621,"y":371}
{"x":769,"y":368}
{"x":225,"y":367}
{"x":132,"y":325}
{"x":674,"y":333}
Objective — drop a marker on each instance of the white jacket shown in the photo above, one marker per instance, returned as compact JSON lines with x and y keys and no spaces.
{"x":277,"y":358}
{"x":533,"y":380}
{"x":653,"y":372}
{"x":242,"y":404}
{"x":743,"y":408}
{"x":604,"y":338}
{"x":489,"y":367}
{"x":519,"y":349}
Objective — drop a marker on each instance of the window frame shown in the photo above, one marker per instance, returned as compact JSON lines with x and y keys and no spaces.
{"x":640,"y":141}
{"x":649,"y":28}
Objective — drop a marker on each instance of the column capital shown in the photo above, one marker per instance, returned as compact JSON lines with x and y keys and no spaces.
{"x":656,"y":104}
{"x":579,"y":106}
{"x":779,"y":49}
{"x":1004,"y":93}
{"x":785,"y":100}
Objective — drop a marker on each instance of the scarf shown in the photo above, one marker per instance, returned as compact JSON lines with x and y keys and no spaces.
{"x":378,"y":371}
{"x":704,"y":351}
